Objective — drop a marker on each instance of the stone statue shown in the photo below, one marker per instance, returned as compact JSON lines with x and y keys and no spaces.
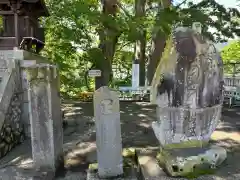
{"x":188,"y":92}
{"x":193,"y":74}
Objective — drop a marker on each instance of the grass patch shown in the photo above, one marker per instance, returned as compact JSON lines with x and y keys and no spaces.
{"x":199,"y":172}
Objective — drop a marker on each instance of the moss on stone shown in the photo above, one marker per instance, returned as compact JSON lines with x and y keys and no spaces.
{"x":127,"y":152}
{"x":186,"y":144}
{"x":200,"y":169}
{"x":199,"y":172}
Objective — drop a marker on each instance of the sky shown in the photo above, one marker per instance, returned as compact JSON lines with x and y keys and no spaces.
{"x":227,"y":3}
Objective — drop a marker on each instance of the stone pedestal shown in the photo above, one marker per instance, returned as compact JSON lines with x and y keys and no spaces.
{"x":184,"y":139}
{"x":108,"y":133}
{"x":129,"y":168}
{"x":45,"y":116}
{"x":191,"y":161}
{"x":129,"y":174}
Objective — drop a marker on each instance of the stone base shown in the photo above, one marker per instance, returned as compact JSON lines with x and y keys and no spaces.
{"x":150,"y":169}
{"x":129,"y":168}
{"x":129,"y":174}
{"x":148,"y":166}
{"x":191,"y":161}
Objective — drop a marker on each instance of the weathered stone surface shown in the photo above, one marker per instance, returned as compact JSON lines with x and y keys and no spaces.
{"x":148,"y":165}
{"x":26,"y":59}
{"x":7,"y":88}
{"x":12,"y":132}
{"x":45,"y":117}
{"x":173,"y":127}
{"x":10,"y":103}
{"x":185,"y":161}
{"x":93,"y":174}
{"x":148,"y":162}
{"x":191,"y":85}
{"x":188,"y":91}
{"x":11,"y":129}
{"x":108,"y":132}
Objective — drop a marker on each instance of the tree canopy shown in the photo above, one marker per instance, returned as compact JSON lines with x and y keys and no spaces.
{"x":84,"y":34}
{"x":231,"y":55}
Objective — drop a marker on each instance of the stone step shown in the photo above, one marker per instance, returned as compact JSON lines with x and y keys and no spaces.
{"x":148,"y":165}
{"x":149,"y":168}
{"x":129,"y":167}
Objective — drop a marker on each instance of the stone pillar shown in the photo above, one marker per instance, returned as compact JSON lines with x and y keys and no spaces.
{"x":108,"y":133}
{"x":45,"y":116}
{"x":26,"y":59}
{"x":25,"y":104}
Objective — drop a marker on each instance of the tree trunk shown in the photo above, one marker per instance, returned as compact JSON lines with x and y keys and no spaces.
{"x":108,"y":39}
{"x":140,"y":45}
{"x":158,"y":45}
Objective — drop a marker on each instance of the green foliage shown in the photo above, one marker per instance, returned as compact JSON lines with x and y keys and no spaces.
{"x":1,"y":24}
{"x":231,"y":54}
{"x":72,"y":34}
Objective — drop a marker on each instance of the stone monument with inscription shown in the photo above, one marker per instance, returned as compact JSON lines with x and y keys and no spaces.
{"x":29,"y":87}
{"x":45,"y":116}
{"x":108,"y":133}
{"x":188,"y":91}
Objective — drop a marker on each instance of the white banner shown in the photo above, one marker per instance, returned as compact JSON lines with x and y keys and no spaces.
{"x":94,"y":73}
{"x":135,"y":75}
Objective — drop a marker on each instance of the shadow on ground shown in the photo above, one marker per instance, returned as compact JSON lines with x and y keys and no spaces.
{"x":136,"y":118}
{"x":135,"y":123}
{"x":80,"y":134}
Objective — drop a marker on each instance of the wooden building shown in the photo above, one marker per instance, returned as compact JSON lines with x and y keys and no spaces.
{"x":20,"y":24}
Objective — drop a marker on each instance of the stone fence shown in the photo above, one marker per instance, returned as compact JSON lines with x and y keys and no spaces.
{"x":10,"y":105}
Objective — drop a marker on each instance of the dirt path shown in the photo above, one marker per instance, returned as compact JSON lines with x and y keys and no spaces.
{"x":80,"y":146}
{"x":136,"y":132}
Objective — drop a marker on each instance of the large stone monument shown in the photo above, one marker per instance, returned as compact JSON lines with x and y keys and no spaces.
{"x":29,"y":86}
{"x":188,"y":91}
{"x":20,"y":30}
{"x":45,"y":116}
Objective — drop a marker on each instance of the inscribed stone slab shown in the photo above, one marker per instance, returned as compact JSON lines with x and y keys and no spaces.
{"x":108,"y":132}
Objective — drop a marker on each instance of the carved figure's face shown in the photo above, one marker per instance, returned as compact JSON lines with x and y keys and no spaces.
{"x":185,"y":45}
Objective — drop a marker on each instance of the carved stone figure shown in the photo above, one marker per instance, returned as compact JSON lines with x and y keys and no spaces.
{"x":189,"y":97}
{"x":198,"y":70}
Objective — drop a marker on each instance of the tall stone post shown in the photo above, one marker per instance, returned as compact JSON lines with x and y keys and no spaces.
{"x":108,"y":133}
{"x":45,"y":116}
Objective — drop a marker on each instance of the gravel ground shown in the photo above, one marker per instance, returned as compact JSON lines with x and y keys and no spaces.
{"x":80,"y":146}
